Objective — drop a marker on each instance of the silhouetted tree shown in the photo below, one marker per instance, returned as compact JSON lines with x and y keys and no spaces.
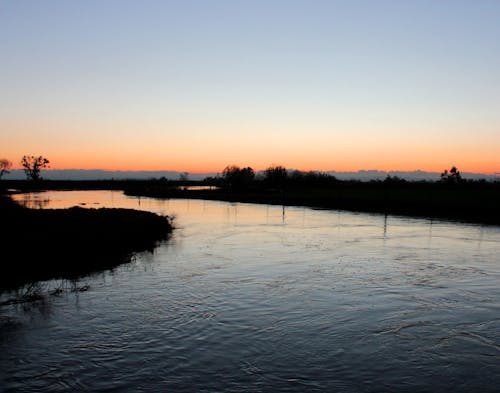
{"x":184,"y":176}
{"x":453,"y":176}
{"x":276,"y":175}
{"x":5,"y":165}
{"x":32,"y":166}
{"x":237,"y":178}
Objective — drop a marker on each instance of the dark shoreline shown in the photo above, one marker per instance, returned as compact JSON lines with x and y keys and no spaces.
{"x":470,"y":203}
{"x":42,"y":244}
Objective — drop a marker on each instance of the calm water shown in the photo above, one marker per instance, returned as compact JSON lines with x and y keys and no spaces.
{"x":253,"y":298}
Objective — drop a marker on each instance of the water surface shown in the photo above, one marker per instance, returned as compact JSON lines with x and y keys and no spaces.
{"x":259,"y":298}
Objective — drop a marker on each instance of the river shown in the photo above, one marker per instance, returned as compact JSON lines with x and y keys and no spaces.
{"x":251,"y":298}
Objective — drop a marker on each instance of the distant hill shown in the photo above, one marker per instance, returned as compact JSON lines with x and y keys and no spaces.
{"x":417,"y":175}
{"x":99,"y":174}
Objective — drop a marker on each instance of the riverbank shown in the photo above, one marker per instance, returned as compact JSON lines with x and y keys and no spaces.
{"x":475,"y":202}
{"x":43,"y":244}
{"x":467,"y":201}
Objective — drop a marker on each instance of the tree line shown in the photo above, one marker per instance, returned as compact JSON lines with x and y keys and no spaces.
{"x":234,"y":177}
{"x":32,"y":166}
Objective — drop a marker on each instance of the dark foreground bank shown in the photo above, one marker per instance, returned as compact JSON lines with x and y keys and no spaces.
{"x":67,"y":243}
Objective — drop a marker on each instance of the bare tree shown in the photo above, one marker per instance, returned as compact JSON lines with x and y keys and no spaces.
{"x":32,"y":165}
{"x":5,"y":165}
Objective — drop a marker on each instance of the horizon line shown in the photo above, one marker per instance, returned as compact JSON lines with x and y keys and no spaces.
{"x":492,"y":173}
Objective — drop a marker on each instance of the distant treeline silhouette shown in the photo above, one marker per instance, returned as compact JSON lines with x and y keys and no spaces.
{"x":236,"y":179}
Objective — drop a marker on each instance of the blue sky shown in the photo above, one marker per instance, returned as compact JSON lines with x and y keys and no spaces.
{"x":311,"y":84}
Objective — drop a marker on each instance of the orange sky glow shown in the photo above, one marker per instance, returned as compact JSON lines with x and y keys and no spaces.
{"x":215,"y":160}
{"x":326,"y":88}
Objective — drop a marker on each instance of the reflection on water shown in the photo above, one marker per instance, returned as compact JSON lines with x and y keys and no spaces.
{"x":37,"y":200}
{"x":265,"y":298}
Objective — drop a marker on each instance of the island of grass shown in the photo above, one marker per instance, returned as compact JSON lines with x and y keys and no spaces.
{"x":68,"y":243}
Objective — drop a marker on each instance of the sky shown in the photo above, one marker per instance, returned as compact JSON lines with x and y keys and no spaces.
{"x":198,"y":85}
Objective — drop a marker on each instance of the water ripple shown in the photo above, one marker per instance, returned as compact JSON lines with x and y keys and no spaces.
{"x":240,"y":301}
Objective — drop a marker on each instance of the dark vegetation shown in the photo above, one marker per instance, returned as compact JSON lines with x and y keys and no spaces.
{"x":69,"y":243}
{"x":450,"y":197}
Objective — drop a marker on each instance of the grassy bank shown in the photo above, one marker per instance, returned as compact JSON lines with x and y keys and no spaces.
{"x":67,"y":243}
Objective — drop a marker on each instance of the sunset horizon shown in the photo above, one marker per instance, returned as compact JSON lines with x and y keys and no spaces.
{"x":259,"y":168}
{"x":194,"y":87}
